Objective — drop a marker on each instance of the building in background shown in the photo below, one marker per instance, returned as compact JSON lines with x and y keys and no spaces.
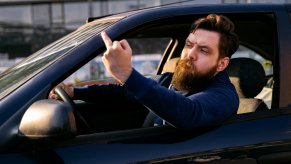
{"x":28,"y":25}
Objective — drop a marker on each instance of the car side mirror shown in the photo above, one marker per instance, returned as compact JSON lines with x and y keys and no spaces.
{"x":46,"y":119}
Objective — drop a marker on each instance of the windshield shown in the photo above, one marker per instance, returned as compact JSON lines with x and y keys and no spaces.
{"x":35,"y":63}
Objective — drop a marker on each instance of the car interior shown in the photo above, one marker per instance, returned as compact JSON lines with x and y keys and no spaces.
{"x":248,"y":75}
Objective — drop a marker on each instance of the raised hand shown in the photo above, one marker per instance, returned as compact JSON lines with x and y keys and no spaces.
{"x":117,"y":58}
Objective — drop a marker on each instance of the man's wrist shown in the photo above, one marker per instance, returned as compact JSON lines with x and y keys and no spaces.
{"x":71,"y":92}
{"x":122,"y":78}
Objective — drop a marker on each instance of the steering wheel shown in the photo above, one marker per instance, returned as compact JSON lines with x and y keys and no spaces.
{"x":66,"y":98}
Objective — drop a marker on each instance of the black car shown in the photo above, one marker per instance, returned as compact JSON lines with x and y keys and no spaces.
{"x":35,"y":129}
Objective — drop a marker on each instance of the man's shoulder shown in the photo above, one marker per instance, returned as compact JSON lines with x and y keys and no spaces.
{"x":221,"y":82}
{"x":222,"y":77}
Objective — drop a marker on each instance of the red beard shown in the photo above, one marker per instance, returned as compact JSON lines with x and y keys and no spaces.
{"x":187,"y":78}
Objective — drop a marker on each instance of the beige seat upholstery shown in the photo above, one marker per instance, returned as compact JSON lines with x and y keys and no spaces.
{"x":170,"y":65}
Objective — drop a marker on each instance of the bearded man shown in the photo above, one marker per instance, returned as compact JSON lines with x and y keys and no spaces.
{"x":200,"y":92}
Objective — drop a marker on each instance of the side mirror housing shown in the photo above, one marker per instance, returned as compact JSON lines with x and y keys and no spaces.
{"x":46,"y":119}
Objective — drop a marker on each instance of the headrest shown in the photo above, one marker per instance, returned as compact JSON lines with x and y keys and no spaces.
{"x":247,"y":75}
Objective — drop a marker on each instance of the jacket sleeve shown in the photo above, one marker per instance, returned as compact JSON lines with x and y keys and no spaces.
{"x":208,"y":107}
{"x":98,"y":92}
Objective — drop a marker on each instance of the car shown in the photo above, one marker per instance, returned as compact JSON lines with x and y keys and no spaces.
{"x":35,"y":129}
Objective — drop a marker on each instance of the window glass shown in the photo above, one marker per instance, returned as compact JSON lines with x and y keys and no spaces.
{"x":41,"y":15}
{"x":78,"y":16}
{"x":97,"y":9}
{"x":16,"y":15}
{"x":128,"y":5}
{"x":57,"y":15}
{"x":146,"y":57}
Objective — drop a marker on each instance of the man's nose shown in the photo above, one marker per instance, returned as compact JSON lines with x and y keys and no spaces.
{"x":192,"y":54}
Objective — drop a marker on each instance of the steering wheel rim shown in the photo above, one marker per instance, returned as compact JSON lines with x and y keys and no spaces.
{"x":66,"y":98}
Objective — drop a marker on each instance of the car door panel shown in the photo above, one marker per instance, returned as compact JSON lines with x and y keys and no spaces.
{"x":246,"y":139}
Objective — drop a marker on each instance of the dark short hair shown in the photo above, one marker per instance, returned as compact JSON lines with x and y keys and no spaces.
{"x":229,"y":42}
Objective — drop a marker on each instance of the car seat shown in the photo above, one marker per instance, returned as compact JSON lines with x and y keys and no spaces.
{"x":248,"y":77}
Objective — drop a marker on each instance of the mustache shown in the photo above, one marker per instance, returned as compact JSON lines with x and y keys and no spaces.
{"x":186,"y":64}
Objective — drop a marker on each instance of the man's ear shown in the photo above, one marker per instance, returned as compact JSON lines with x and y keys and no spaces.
{"x":222,"y":64}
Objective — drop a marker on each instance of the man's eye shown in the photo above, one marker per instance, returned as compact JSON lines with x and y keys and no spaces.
{"x":204,"y":50}
{"x":188,"y":45}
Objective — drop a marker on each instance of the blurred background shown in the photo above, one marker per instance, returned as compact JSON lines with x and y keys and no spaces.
{"x":28,"y":25}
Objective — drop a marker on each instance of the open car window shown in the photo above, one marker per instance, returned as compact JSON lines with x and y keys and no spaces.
{"x":147,"y":53}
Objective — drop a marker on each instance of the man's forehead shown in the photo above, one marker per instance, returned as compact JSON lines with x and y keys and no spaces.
{"x":205,"y":37}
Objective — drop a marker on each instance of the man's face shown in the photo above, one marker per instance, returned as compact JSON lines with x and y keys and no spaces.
{"x":199,"y":61}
